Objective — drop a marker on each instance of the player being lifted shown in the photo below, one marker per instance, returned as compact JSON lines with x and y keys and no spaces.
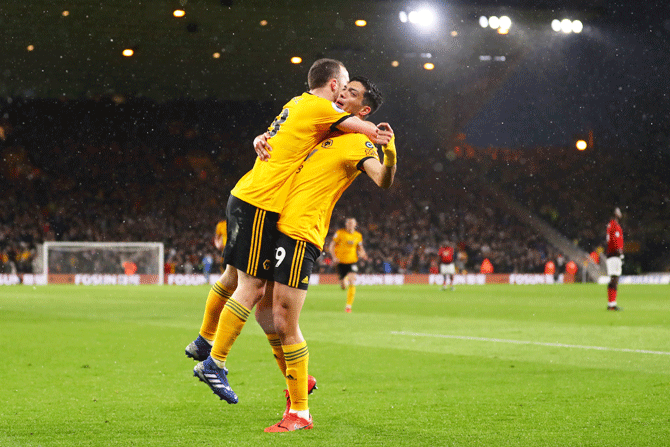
{"x":345,"y":249}
{"x":253,"y":211}
{"x":303,"y":225}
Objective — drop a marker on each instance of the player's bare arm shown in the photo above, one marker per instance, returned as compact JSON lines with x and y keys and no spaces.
{"x":383,"y":174}
{"x":361,"y":252}
{"x":375,"y":133}
{"x":331,"y":250}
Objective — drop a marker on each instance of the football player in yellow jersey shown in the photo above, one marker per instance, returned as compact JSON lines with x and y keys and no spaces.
{"x":220,"y":238}
{"x":303,"y":225}
{"x":253,"y":211}
{"x":345,"y":248}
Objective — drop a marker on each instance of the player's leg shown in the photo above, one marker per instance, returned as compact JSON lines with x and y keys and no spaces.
{"x":250,"y":249}
{"x":295,"y":261}
{"x":351,"y":291}
{"x":286,"y":311}
{"x":614,"y":271}
{"x":219,"y":294}
{"x":612,"y":287}
{"x":264,"y":319}
{"x":342,"y":270}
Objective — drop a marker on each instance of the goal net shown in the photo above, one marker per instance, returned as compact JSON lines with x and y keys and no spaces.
{"x":98,"y":263}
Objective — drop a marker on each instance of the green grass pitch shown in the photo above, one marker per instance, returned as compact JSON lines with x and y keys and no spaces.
{"x":411,"y":366}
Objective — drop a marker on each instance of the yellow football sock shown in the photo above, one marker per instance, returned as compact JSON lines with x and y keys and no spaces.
{"x":217,"y":298}
{"x":297,"y":359}
{"x":275,"y":344}
{"x":351,"y":294}
{"x":231,"y":322}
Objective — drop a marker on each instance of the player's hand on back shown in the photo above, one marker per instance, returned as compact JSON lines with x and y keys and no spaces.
{"x":262,"y":147}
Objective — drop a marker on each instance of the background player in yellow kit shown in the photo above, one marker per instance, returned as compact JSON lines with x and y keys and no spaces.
{"x":345,"y":248}
{"x":220,"y":238}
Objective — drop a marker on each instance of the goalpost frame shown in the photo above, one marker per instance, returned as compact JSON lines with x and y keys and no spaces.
{"x":106,"y":245}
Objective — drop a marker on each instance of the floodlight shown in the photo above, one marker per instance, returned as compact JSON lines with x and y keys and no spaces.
{"x":577,"y":26}
{"x":505,"y":22}
{"x":566,"y":26}
{"x":494,"y":22}
{"x":403,"y":16}
{"x":423,"y":18}
{"x":556,"y":25}
{"x":483,"y":21}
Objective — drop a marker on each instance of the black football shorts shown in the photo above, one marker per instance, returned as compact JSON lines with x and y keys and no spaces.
{"x":294,"y":261}
{"x":252,"y":233}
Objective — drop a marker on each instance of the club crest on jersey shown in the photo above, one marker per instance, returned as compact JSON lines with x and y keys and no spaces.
{"x":370,"y":149}
{"x":327,"y":143}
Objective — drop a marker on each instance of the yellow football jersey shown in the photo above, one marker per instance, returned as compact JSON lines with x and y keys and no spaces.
{"x":222,"y":230}
{"x":304,"y":121}
{"x":321,"y":179}
{"x":346,"y":244}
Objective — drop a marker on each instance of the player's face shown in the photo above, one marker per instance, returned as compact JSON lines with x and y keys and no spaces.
{"x":342,"y":81}
{"x":350,"y":225}
{"x":351,"y":97}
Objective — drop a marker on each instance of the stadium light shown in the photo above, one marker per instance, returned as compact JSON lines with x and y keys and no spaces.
{"x":423,"y":18}
{"x":567,"y":26}
{"x":494,"y":22}
{"x":296,"y":60}
{"x":128,"y":52}
{"x":577,"y":26}
{"x":502,"y":23}
{"x":581,"y":145}
{"x":179,"y":13}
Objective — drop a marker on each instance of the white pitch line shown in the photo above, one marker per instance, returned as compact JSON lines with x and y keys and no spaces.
{"x":523,"y":342}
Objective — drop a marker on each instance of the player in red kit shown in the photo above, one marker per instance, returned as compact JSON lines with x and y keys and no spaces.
{"x":614,"y":254}
{"x":447,"y":268}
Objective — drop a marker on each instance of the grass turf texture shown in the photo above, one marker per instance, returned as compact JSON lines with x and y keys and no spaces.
{"x":411,"y":366}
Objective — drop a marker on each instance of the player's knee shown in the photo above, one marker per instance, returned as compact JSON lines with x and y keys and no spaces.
{"x":264,"y":318}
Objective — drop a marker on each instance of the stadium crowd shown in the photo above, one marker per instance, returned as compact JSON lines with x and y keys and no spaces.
{"x":113,"y":169}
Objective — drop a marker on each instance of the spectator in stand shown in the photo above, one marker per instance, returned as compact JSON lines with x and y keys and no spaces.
{"x":614,"y":238}
{"x":550,"y":268}
{"x":486,"y":267}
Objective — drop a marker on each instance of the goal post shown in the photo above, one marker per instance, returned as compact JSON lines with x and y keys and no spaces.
{"x":98,"y":263}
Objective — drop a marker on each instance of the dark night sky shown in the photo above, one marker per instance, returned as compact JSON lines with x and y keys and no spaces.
{"x":611,"y":79}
